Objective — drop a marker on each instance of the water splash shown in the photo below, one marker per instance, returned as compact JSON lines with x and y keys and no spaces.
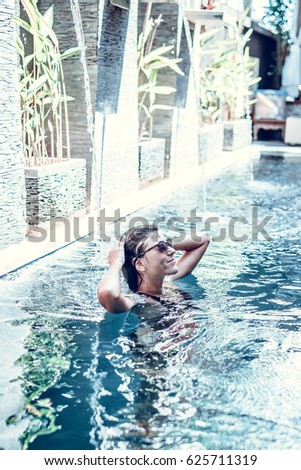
{"x":95,"y":177}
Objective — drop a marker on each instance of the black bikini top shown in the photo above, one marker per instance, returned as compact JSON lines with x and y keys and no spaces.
{"x":154,"y":297}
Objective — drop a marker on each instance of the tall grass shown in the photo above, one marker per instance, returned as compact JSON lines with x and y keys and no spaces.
{"x":44,"y":112}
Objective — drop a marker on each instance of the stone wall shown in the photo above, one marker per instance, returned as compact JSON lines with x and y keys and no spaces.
{"x":185,"y":140}
{"x":56,"y":190}
{"x":12,"y":186}
{"x":237,"y":134}
{"x":117,"y":103}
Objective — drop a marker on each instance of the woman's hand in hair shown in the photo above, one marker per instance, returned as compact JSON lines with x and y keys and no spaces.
{"x":109,"y":290}
{"x":116,"y":254}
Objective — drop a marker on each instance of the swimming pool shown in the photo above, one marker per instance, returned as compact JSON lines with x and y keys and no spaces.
{"x":219,"y":370}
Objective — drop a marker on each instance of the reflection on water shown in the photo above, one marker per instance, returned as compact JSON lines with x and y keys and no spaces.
{"x":216,"y":367}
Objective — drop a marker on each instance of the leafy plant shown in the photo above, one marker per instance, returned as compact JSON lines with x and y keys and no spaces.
{"x":234,"y":77}
{"x":150,"y":61}
{"x":43,"y":95}
{"x":210,"y":103}
{"x":229,"y":77}
{"x":209,"y":92}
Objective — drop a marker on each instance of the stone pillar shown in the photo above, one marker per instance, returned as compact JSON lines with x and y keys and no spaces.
{"x":185,"y":140}
{"x":116,"y":105}
{"x":12,"y":181}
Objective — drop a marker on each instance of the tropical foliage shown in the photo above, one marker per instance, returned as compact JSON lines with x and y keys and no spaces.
{"x":209,"y":91}
{"x":150,"y":61}
{"x":226,"y":84}
{"x":44,"y":113}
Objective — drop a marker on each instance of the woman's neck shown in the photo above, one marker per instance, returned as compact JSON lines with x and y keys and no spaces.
{"x":152,"y":288}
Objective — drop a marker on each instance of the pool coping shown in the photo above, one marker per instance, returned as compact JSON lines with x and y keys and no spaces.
{"x":82,"y":225}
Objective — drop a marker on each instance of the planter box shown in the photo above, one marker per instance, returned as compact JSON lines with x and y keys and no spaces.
{"x":211,"y":139}
{"x":151,"y":159}
{"x":237,"y":134}
{"x":55,"y":190}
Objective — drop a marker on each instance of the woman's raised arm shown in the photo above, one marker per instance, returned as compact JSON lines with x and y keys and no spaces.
{"x":109,"y":290}
{"x":193,"y":253}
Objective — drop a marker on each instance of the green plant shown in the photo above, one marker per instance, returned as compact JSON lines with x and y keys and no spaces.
{"x":209,"y":93}
{"x":230,"y":76}
{"x":210,"y":103}
{"x":44,"y":112}
{"x":150,"y":61}
{"x":234,"y":77}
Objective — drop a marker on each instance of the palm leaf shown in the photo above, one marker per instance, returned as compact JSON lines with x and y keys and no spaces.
{"x":146,"y":110}
{"x":165,"y":62}
{"x":24,"y":25}
{"x":37,"y":84}
{"x":153,"y":55}
{"x":70,"y":52}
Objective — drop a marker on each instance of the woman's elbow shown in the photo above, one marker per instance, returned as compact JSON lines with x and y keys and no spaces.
{"x":107,"y":298}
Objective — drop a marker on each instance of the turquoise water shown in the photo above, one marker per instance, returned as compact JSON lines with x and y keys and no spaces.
{"x":217,"y":368}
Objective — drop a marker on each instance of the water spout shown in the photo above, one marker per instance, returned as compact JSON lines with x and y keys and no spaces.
{"x":194,"y":57}
{"x":95,"y":172}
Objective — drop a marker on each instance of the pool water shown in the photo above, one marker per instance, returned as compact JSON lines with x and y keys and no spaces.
{"x":218,"y":367}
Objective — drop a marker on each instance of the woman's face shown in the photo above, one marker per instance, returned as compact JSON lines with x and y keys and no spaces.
{"x":158,"y":262}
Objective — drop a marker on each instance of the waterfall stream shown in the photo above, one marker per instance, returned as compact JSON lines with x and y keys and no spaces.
{"x":95,"y":172}
{"x":195,"y":78}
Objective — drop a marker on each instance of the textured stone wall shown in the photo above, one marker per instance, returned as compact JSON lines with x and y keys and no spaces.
{"x":12,"y":185}
{"x":81,"y":144}
{"x":237,"y":134}
{"x":184,"y":153}
{"x":111,"y":52}
{"x":56,"y":190}
{"x":117,"y":124}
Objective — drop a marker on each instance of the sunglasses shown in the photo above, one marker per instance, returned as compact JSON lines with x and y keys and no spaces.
{"x":162,"y":246}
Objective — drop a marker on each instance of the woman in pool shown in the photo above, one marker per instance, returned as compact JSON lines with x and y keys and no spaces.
{"x":145,"y":260}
